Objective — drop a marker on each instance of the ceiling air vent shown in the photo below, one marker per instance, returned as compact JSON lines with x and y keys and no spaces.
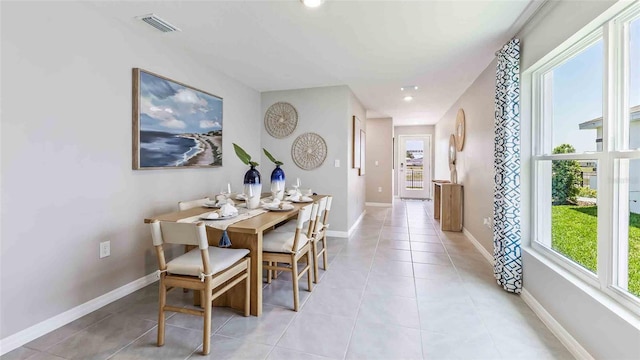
{"x":158,"y":23}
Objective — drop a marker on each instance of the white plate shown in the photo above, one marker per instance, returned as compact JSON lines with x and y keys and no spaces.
{"x":277,"y":208}
{"x":220,"y":218}
{"x":302,"y":201}
{"x":211,"y":205}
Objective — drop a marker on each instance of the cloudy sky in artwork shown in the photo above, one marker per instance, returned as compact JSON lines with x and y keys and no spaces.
{"x":170,"y":107}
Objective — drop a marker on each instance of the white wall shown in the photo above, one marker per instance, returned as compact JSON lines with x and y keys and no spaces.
{"x":475,"y":162}
{"x":324,"y":111}
{"x":601,"y":330}
{"x":67,"y":182}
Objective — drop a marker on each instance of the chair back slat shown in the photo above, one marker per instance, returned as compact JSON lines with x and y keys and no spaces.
{"x":186,"y":205}
{"x":179,"y":233}
{"x":327,"y":209}
{"x":322,"y":205}
{"x":304,"y":215}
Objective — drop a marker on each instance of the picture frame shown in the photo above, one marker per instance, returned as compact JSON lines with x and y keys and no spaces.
{"x":175,"y":126}
{"x":355,"y":151}
{"x":363,"y":152}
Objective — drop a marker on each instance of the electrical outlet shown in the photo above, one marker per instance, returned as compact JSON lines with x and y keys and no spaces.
{"x":487,"y":222}
{"x":336,"y":163}
{"x":105,"y":249}
{"x":379,"y":189}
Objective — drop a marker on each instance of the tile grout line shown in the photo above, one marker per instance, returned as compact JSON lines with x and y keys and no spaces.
{"x":355,"y":322}
{"x":473,"y":303}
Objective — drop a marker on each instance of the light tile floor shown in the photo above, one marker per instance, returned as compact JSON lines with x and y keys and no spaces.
{"x":398,"y":288}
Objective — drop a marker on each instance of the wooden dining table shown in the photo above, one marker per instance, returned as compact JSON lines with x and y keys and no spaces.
{"x":245,"y":234}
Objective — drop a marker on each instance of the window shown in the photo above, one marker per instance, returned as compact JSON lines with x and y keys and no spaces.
{"x":586,"y":157}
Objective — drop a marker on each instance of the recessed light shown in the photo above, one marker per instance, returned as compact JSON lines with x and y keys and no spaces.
{"x":408,"y":98}
{"x":312,"y":3}
{"x":414,"y":87}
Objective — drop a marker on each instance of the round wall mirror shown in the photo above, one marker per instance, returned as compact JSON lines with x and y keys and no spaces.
{"x":452,"y":151}
{"x":460,"y":129}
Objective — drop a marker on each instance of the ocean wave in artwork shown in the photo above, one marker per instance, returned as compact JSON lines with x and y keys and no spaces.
{"x":161,"y":149}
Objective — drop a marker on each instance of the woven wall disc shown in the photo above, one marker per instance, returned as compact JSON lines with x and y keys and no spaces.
{"x":309,"y":151}
{"x":280,"y":119}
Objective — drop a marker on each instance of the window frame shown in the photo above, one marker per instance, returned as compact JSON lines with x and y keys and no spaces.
{"x":614,"y":32}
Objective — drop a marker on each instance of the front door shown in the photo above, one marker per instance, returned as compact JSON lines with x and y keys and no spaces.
{"x":414,"y":166}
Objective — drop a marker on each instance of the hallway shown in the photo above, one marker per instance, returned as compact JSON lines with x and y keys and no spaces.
{"x":397,"y":289}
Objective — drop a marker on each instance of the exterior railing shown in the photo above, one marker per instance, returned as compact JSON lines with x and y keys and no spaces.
{"x":414,"y":178}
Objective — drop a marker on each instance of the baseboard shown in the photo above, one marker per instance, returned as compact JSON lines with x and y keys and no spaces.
{"x":378,"y":204}
{"x":355,"y":224}
{"x":486,"y":254}
{"x":31,"y":333}
{"x":563,"y":335}
{"x":339,"y":234}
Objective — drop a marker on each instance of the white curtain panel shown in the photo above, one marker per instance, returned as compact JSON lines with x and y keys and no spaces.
{"x":506,"y":203}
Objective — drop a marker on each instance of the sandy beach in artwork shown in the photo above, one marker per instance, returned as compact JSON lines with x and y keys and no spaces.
{"x":206,"y":145}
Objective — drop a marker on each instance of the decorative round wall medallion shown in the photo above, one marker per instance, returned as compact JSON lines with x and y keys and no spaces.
{"x":460,"y":129}
{"x":280,"y":120}
{"x":309,"y":151}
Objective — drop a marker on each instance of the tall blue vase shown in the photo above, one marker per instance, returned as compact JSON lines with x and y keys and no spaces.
{"x":252,"y":187}
{"x":277,"y":182}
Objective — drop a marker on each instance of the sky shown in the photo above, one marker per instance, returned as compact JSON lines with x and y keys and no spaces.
{"x":170,"y":107}
{"x":577,"y":92}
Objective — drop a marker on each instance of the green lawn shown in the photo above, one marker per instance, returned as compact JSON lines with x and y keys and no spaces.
{"x":574,"y":233}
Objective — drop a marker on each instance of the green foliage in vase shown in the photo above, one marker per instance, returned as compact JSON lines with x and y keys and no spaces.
{"x":273,"y":160}
{"x":243,"y":156}
{"x":565,"y":180}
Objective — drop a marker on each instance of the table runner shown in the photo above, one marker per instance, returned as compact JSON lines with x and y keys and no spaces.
{"x":243,"y":214}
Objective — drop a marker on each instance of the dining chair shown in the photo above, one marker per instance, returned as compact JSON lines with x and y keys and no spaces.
{"x":186,"y":205}
{"x":288,"y":248}
{"x":190,"y":204}
{"x":319,"y":235}
{"x":208,"y":269}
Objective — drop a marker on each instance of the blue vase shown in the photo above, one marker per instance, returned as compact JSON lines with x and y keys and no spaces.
{"x":278,"y":182}
{"x":252,"y":187}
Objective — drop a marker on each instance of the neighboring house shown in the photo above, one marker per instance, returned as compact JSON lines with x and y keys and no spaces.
{"x":634,"y":167}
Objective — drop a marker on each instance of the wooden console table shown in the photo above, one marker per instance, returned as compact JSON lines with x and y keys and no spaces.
{"x":447,"y":205}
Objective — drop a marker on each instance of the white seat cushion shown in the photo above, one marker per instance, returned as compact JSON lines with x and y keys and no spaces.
{"x":282,"y":242}
{"x":291,"y":226}
{"x":191,"y":262}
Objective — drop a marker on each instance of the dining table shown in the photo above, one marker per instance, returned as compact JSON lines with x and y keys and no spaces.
{"x":244,"y":234}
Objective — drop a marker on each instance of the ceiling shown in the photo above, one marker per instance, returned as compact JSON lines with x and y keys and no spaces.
{"x":374,"y":47}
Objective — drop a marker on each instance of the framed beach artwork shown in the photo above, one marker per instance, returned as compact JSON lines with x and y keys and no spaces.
{"x":174,"y":125}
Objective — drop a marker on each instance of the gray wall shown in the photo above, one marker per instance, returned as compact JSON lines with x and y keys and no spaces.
{"x":579,"y":309}
{"x":412,"y":130}
{"x":356,"y":182}
{"x":380,"y":149}
{"x":66,"y":176}
{"x":326,"y":111}
{"x":599,"y":329}
{"x":475,"y":162}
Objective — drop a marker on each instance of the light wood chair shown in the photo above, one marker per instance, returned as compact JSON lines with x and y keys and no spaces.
{"x":210,"y":270}
{"x":190,"y":204}
{"x":186,"y":205}
{"x":319,"y":235}
{"x":289,"y":248}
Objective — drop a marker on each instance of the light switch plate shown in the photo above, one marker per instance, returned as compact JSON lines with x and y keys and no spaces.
{"x":336,"y":163}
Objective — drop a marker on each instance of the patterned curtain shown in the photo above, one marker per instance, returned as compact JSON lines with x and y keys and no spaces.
{"x":506,"y":202}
